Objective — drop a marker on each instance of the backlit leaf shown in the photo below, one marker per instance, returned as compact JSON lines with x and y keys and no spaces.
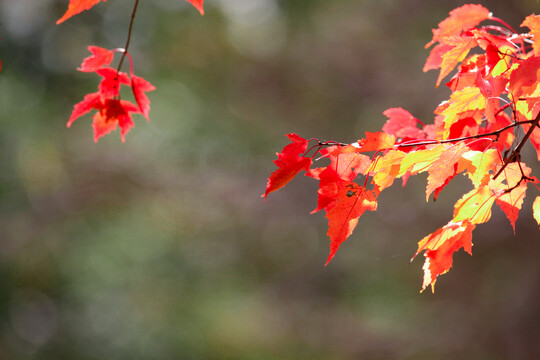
{"x":77,"y":6}
{"x":440,"y":246}
{"x":536,"y":209}
{"x":533,"y":22}
{"x":353,"y":201}
{"x":289,"y":163}
{"x":460,"y":49}
{"x":198,"y":4}
{"x":460,"y":19}
{"x":475,"y":206}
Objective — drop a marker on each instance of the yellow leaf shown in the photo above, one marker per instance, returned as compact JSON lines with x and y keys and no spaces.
{"x":475,"y":206}
{"x":536,"y":209}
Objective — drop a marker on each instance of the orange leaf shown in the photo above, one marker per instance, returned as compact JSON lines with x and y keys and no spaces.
{"x":77,"y":6}
{"x":460,"y":19}
{"x":289,"y":164}
{"x":353,"y":201}
{"x":375,"y":142}
{"x":533,"y":22}
{"x":440,"y":246}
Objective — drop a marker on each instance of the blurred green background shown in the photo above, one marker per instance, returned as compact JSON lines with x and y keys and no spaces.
{"x":161,"y":247}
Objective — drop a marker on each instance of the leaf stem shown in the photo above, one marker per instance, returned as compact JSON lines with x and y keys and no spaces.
{"x":129,"y":35}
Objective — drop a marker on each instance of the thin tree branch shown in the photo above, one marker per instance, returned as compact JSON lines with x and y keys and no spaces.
{"x":129,"y":35}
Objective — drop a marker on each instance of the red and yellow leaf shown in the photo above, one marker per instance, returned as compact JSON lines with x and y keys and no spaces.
{"x":512,"y":191}
{"x":435,"y":57}
{"x":440,"y":246}
{"x":467,"y":99}
{"x":461,"y":47}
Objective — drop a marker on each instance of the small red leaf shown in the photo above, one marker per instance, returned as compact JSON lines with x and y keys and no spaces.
{"x":77,"y":6}
{"x":111,"y":113}
{"x":109,"y":86}
{"x":289,"y":163}
{"x":90,"y":101}
{"x":198,"y":4}
{"x":100,"y":57}
{"x":402,"y":124}
{"x":139,"y":87}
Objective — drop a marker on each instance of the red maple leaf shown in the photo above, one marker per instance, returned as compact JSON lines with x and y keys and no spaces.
{"x":100,"y":57}
{"x":352,"y":201}
{"x":77,"y":6}
{"x":140,"y":86}
{"x":289,"y":163}
{"x":198,"y":5}
{"x":110,"y":113}
{"x":402,"y":124}
{"x":461,"y":19}
{"x":111,"y":110}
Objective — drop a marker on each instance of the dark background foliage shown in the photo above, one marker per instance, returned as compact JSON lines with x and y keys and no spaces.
{"x":161,"y":248}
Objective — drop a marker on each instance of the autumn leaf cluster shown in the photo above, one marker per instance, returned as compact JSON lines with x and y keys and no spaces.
{"x":111,"y":110}
{"x":475,"y":133}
